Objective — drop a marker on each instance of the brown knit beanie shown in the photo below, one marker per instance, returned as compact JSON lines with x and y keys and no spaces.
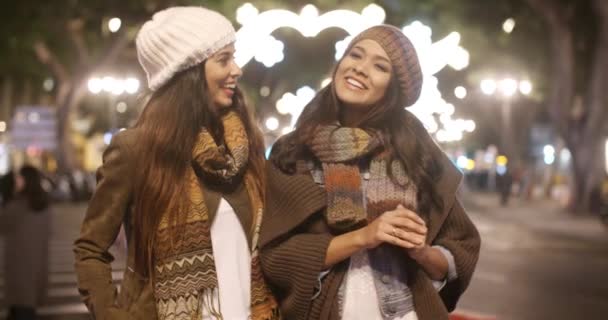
{"x":404,"y":59}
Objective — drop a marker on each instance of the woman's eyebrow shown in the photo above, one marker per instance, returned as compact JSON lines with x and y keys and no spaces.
{"x":376,"y":56}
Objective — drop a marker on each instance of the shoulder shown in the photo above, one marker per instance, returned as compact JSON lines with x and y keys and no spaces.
{"x":123,"y":144}
{"x":283,"y":142}
{"x":121,"y":156}
{"x":126,"y":138}
{"x":286,"y":154}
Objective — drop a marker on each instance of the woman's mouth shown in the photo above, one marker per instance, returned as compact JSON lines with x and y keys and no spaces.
{"x":354,"y":84}
{"x":229,"y":88}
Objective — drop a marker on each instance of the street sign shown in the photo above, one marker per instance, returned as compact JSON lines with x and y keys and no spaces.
{"x":34,"y":127}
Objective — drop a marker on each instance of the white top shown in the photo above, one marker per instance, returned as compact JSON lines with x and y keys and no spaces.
{"x":232,"y":263}
{"x":359,"y":286}
{"x":360,"y":297}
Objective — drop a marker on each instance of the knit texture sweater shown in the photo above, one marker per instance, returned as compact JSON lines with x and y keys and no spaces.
{"x":295,"y":237}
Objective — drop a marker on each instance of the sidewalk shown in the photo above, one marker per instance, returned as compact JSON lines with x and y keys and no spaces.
{"x":539,"y":215}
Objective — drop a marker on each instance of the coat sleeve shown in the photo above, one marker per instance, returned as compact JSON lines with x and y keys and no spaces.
{"x":100,"y":228}
{"x":292,"y":266}
{"x":461,"y":238}
{"x":293,"y":240}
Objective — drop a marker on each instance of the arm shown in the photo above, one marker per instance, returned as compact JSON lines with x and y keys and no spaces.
{"x":432,"y":261}
{"x":343,"y":246}
{"x":399,"y":227}
{"x":100,"y":228}
{"x":452,"y":274}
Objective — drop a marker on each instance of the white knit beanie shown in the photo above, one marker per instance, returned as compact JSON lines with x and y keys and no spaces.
{"x":178,"y":38}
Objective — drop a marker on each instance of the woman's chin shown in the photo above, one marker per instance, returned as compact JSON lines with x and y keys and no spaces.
{"x":223,"y":103}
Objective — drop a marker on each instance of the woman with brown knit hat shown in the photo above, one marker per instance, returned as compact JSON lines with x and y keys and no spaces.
{"x":186,"y":182}
{"x":362,"y":220}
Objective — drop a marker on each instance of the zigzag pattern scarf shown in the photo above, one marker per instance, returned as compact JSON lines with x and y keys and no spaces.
{"x":340,"y":149}
{"x":185,"y":283}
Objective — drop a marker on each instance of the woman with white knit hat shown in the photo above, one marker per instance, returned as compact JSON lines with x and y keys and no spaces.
{"x":186,"y":182}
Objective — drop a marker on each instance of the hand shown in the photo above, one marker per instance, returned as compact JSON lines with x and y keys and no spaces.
{"x":400,"y":227}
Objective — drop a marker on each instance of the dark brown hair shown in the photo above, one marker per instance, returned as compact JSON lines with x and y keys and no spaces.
{"x":405,"y":137}
{"x":168,"y":128}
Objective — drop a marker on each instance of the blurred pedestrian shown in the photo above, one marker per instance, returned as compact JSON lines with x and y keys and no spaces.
{"x":362,"y":219}
{"x":186,"y":182}
{"x":25,"y":222}
{"x":504,"y":183}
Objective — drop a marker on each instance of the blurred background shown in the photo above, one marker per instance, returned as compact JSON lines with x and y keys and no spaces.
{"x":515,"y":91}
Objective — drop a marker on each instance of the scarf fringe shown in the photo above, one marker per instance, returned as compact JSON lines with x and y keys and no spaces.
{"x":210,"y":301}
{"x":266,"y":311}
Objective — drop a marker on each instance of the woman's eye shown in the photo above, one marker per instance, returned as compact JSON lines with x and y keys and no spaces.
{"x":382,"y":68}
{"x":355,"y":55}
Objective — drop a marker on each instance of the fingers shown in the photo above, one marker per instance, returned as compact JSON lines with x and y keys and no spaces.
{"x":405,"y":219}
{"x":389,"y":237}
{"x":410,"y":237}
{"x":401,"y":211}
{"x":391,"y":234}
{"x":402,"y":227}
{"x":408,"y":225}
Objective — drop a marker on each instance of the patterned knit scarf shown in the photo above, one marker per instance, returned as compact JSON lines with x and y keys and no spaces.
{"x":339,"y":149}
{"x":185,"y":282}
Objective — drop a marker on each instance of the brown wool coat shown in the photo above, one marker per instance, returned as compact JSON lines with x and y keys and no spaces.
{"x":294,"y":240}
{"x":110,"y":207}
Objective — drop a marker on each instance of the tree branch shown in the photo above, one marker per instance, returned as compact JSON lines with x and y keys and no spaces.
{"x":46,"y":57}
{"x":562,"y":50}
{"x":75,"y":30}
{"x":115,"y":48}
{"x":546,"y":8}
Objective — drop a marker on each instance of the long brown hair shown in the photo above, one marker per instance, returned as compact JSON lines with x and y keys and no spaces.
{"x":406,"y":137}
{"x":167,"y":131}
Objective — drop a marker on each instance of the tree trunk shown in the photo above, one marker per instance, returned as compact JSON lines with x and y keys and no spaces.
{"x":73,"y":86}
{"x":69,"y":96}
{"x":583,"y":136}
{"x":592,"y":133}
{"x":586,"y":173}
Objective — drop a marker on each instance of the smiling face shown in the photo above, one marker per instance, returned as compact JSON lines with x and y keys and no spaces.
{"x":221,"y":74}
{"x":363,"y":75}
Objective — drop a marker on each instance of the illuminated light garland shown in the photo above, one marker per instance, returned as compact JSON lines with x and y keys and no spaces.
{"x":254,"y":40}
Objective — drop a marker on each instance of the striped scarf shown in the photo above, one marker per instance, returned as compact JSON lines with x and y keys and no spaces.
{"x":340,"y":150}
{"x":185,"y":279}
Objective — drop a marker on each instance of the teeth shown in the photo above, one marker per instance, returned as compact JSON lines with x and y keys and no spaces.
{"x":355,"y":83}
{"x":230,"y":86}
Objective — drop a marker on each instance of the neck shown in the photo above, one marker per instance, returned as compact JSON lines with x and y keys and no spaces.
{"x":352,"y":116}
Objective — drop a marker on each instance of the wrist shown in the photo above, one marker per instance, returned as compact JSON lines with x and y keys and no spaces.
{"x":359,"y":239}
{"x":419,"y":254}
